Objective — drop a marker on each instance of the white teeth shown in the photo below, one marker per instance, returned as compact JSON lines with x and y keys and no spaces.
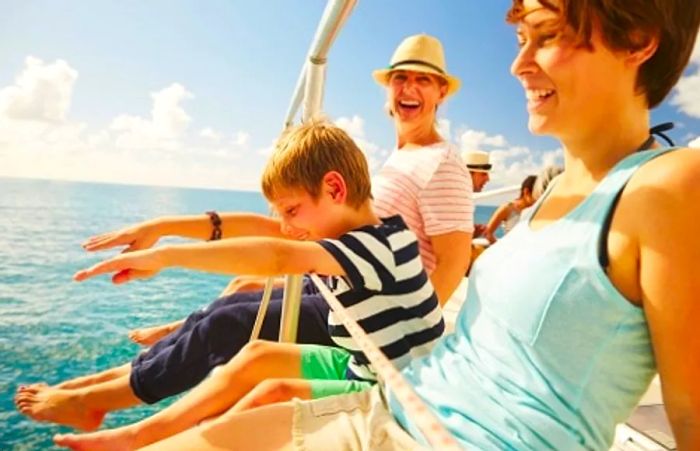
{"x":536,"y":94}
{"x":409,"y":103}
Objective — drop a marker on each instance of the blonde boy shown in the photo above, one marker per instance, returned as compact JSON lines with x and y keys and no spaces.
{"x":318,"y":182}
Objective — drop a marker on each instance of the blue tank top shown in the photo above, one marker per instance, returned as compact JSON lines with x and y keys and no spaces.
{"x":546,"y":354}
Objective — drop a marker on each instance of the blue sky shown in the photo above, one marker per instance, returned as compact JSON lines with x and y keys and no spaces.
{"x":193,"y":93}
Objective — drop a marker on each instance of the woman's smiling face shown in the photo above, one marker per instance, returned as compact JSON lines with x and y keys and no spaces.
{"x":567,"y":84}
{"x":414,"y":96}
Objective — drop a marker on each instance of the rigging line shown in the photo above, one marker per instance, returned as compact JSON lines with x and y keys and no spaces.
{"x":432,"y":429}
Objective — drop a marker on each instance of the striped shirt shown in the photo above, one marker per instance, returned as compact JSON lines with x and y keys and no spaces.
{"x":387,"y":291}
{"x":431,"y":189}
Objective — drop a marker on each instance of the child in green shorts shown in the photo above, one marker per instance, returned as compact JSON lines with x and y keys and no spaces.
{"x":318,"y":182}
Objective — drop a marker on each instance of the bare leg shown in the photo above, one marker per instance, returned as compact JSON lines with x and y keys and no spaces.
{"x":256,"y":362}
{"x":83,"y":381}
{"x":147,"y":336}
{"x":82,"y":408}
{"x":268,"y":427}
{"x":273,"y":391}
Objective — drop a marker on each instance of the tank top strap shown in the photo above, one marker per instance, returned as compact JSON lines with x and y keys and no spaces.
{"x":597,"y":206}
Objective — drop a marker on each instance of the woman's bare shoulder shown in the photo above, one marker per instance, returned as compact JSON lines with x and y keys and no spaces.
{"x":665,"y":190}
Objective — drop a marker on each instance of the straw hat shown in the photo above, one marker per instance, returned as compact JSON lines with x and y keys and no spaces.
{"x":477,"y":160}
{"x":419,"y":53}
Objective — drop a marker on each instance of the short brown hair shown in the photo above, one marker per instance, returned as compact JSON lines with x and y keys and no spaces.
{"x":304,"y":154}
{"x":625,"y":24}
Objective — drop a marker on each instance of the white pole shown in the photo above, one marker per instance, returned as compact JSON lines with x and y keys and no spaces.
{"x":311,"y":80}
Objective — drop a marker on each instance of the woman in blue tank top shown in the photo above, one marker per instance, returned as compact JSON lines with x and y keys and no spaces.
{"x":569,"y":316}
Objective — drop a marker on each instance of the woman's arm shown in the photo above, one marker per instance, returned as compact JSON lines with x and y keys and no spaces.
{"x":453,"y":253}
{"x":669,"y":279}
{"x":500,"y":215}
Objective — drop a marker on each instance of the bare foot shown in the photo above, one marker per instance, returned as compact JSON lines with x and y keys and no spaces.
{"x":149,"y":335}
{"x":120,"y":439}
{"x":58,"y":406}
{"x":33,"y":386}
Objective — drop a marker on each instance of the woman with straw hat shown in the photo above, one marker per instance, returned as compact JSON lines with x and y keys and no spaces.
{"x":424,"y":181}
{"x":554,"y":361}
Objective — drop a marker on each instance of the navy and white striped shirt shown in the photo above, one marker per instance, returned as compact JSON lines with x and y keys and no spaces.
{"x":387,"y":291}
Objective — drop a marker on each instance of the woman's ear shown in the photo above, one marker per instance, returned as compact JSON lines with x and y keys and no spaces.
{"x":334,"y":185}
{"x":443,"y":92}
{"x":645,"y":45}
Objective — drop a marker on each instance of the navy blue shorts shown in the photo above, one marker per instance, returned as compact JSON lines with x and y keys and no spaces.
{"x":211,"y":336}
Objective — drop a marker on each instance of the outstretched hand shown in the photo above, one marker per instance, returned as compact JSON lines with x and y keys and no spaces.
{"x":133,"y":265}
{"x":136,"y":237}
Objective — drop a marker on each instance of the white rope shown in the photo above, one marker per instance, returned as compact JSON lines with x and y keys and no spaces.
{"x":262,"y":310}
{"x":432,"y":429}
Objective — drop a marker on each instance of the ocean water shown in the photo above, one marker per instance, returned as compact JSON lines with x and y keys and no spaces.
{"x":51,"y":328}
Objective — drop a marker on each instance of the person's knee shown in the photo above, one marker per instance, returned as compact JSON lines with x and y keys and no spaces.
{"x":275,"y":390}
{"x":258,"y":350}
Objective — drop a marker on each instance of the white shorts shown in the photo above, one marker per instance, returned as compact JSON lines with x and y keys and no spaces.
{"x":354,"y":422}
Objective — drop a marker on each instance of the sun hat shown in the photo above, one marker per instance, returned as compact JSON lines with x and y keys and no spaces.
{"x":477,"y":160}
{"x":419,"y":53}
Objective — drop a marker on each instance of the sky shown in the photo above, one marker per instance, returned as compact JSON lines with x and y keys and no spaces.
{"x":194,"y":93}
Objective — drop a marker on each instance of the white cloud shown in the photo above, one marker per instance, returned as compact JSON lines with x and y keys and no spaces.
{"x":241,"y":138}
{"x":687,"y":91}
{"x":695,"y":143}
{"x":167,"y":122}
{"x":444,"y":128}
{"x":687,"y":96}
{"x":695,"y":56}
{"x":478,"y":140}
{"x":42,"y":92}
{"x":355,"y":127}
{"x":38,"y":139}
{"x":209,"y":133}
{"x":511,"y":163}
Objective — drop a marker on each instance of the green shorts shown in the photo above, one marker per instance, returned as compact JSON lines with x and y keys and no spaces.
{"x":325,"y":368}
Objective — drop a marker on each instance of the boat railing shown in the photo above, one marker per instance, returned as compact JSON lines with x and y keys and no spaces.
{"x":496,"y":192}
{"x":308,"y":94}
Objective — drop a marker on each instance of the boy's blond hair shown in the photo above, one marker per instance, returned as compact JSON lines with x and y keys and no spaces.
{"x":304,"y":154}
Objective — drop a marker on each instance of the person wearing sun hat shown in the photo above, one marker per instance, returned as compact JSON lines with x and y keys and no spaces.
{"x":479,"y":166}
{"x":419,"y":53}
{"x":424,"y":179}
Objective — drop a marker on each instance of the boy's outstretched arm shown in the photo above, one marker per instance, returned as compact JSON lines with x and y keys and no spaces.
{"x":145,"y":234}
{"x":250,"y":255}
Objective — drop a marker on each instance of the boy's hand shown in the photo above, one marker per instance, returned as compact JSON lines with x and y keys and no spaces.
{"x":129,"y":266}
{"x":136,"y":237}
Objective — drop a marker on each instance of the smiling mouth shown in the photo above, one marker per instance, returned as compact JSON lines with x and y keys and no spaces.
{"x":409,"y":105}
{"x":537,"y":97}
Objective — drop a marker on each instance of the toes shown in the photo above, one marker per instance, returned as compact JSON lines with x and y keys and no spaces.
{"x":31,"y":389}
{"x":64,"y":439}
{"x":25,"y":397}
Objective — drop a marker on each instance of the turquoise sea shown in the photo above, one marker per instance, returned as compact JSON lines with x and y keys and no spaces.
{"x":51,"y":328}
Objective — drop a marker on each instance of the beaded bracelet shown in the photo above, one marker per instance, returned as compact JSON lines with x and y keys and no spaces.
{"x":216,"y":224}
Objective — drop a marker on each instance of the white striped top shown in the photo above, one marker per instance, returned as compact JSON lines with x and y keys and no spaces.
{"x":430,"y":187}
{"x":387,"y":291}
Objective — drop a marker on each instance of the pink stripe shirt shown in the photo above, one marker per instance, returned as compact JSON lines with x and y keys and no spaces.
{"x":431,"y":189}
